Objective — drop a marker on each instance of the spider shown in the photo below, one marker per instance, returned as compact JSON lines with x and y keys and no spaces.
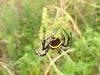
{"x":55,"y":43}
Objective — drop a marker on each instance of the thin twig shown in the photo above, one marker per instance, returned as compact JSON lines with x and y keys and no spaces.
{"x":6,"y":68}
{"x":53,"y":61}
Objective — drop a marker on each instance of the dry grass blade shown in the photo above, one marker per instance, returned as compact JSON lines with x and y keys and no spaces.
{"x":53,"y":61}
{"x":56,"y":69}
{"x":93,"y":5}
{"x":6,"y":68}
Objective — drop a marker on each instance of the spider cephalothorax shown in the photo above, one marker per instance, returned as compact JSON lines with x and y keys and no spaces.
{"x":55,"y":43}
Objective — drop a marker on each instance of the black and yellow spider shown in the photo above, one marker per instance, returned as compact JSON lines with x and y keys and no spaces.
{"x":55,"y":43}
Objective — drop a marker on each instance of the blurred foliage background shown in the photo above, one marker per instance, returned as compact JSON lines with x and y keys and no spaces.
{"x":22,"y":24}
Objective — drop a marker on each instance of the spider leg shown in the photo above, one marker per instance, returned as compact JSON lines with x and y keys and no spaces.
{"x":69,"y":40}
{"x":46,"y":40}
{"x":59,"y":51}
{"x":63,"y":38}
{"x":41,"y":52}
{"x":45,"y":47}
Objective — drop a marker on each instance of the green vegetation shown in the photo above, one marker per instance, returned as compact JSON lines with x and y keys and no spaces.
{"x":23,"y":24}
